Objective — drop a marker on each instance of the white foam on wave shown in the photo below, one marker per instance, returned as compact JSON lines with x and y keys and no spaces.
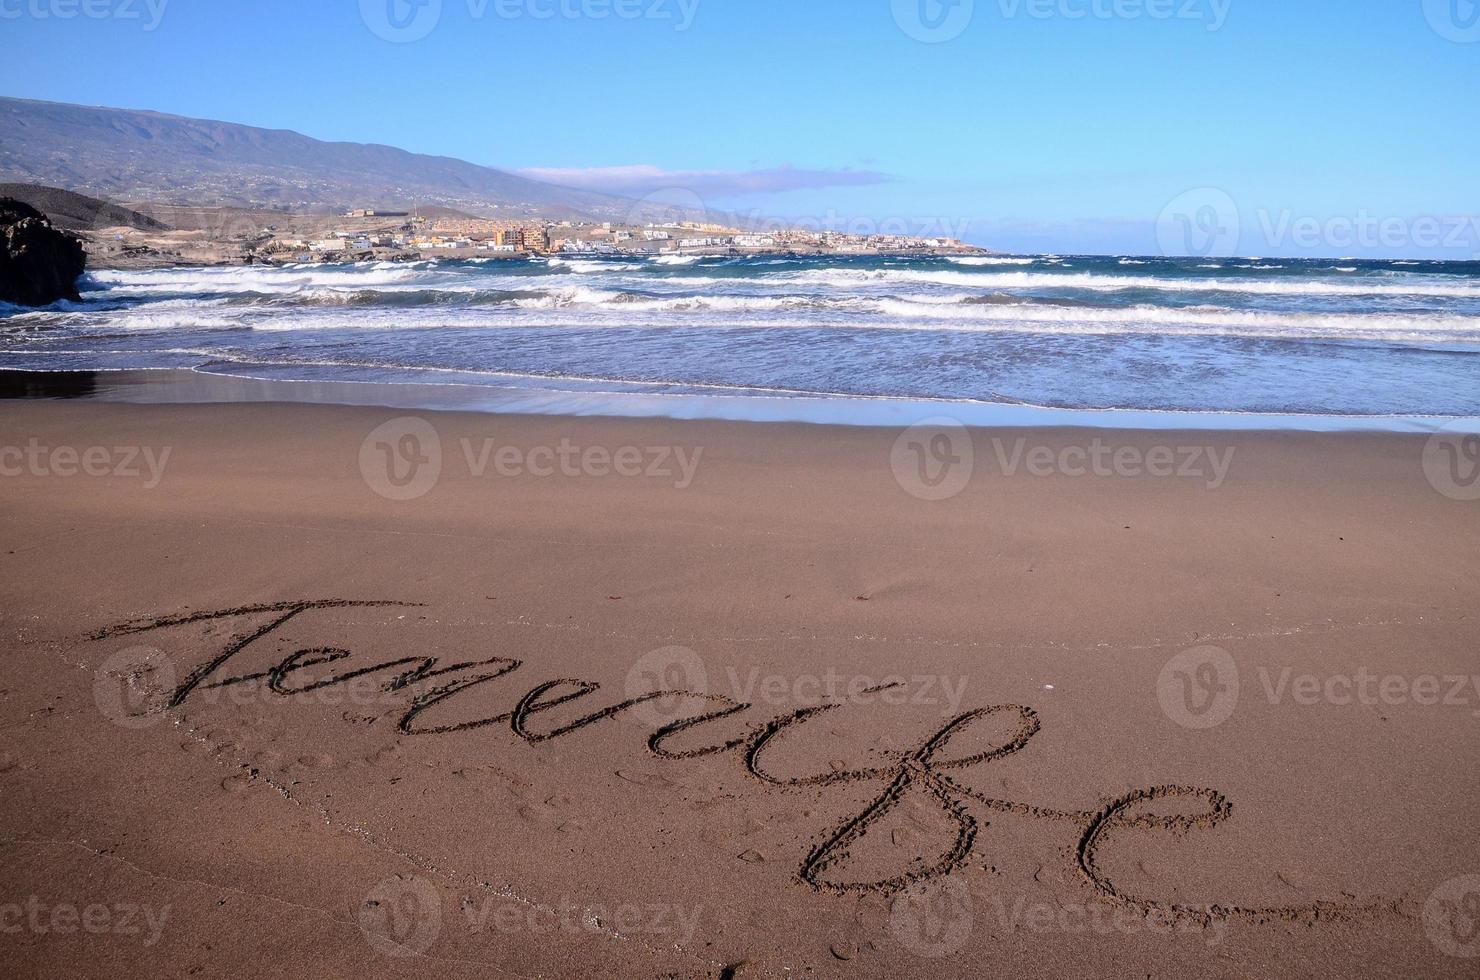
{"x":856,"y":278}
{"x":583,"y":307}
{"x":904,"y":315}
{"x":253,"y":279}
{"x":573,"y":296}
{"x":1160,"y":321}
{"x":626,"y":304}
{"x":593,"y":265}
{"x":146,"y":319}
{"x":989,"y":260}
{"x":675,"y":259}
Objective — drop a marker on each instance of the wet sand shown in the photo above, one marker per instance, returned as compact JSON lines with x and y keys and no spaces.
{"x":316,"y":689}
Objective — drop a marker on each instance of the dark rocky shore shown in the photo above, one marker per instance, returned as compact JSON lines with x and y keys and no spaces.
{"x":38,"y":264}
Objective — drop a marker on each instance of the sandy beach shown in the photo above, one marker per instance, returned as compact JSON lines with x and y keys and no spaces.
{"x":349,"y":691}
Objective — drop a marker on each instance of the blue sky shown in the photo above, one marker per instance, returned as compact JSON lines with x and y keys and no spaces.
{"x":1059,"y":125}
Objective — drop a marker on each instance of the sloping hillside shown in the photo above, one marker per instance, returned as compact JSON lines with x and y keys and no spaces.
{"x":71,"y":211}
{"x":132,"y":155}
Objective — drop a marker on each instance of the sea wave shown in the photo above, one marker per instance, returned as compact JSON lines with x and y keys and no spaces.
{"x":587,"y":306}
{"x":855,"y":278}
{"x":1246,"y":334}
{"x":253,"y":279}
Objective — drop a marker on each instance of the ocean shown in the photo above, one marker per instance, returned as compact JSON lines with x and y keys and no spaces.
{"x":1307,"y":337}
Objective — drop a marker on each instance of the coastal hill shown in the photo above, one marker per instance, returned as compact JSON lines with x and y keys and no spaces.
{"x":130,"y":155}
{"x":71,"y":211}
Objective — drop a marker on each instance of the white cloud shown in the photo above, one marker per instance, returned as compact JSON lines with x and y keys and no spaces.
{"x":642,"y":179}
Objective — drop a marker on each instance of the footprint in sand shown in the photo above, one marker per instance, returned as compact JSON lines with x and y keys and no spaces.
{"x":538,"y":811}
{"x":390,"y":753}
{"x":643,"y":778}
{"x":238,"y":783}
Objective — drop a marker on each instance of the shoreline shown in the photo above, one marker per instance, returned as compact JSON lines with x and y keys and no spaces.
{"x":540,"y":396}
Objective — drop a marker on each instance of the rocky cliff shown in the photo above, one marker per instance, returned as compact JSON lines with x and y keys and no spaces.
{"x":38,"y":264}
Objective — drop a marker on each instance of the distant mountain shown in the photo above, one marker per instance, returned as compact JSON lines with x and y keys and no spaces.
{"x":129,"y":155}
{"x":78,"y":212}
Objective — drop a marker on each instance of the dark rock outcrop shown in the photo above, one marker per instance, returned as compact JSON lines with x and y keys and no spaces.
{"x":38,"y":264}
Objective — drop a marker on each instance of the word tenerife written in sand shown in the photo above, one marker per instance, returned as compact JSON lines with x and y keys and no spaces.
{"x":927,"y":772}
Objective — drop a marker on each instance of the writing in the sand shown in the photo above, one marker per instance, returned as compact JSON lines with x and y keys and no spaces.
{"x":929,"y":769}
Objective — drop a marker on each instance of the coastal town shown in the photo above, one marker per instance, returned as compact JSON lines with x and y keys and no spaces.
{"x":231,"y":236}
{"x":408,"y":234}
